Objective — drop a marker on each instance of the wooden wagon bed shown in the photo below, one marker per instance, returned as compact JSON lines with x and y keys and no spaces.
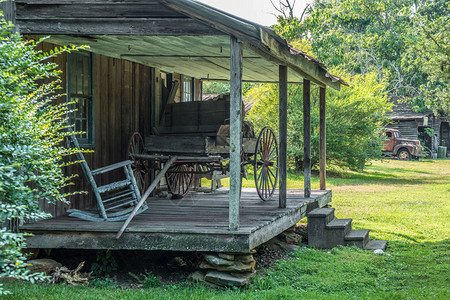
{"x":198,"y":222}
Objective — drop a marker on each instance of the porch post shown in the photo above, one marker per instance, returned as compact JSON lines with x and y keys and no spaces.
{"x":307,"y":137}
{"x":283,"y":135}
{"x":235,"y":131}
{"x":9,"y":12}
{"x":323,"y":140}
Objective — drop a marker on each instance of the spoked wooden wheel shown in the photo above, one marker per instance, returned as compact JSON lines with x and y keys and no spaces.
{"x":266,"y":163}
{"x":180,"y":178}
{"x":140,"y":170}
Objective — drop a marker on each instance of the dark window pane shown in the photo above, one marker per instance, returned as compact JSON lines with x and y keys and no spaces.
{"x":80,"y":91}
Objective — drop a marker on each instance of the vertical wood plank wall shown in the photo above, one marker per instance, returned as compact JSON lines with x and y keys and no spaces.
{"x":122,"y":95}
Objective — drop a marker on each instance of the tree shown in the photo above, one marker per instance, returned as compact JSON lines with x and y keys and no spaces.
{"x":404,"y":41}
{"x":32,"y":129}
{"x":429,"y":50}
{"x":355,"y":116}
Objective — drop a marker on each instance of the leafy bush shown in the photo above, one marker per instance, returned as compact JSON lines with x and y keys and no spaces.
{"x":105,"y":264}
{"x":150,"y":281}
{"x":355,"y":116}
{"x":32,"y":130}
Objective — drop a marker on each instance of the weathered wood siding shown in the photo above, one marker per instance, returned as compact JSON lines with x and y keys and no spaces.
{"x":122,"y":105}
{"x":408,"y":129}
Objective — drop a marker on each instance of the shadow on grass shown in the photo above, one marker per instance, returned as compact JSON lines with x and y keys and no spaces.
{"x":406,"y":237}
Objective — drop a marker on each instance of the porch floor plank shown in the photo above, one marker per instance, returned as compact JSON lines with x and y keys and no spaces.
{"x":198,"y":222}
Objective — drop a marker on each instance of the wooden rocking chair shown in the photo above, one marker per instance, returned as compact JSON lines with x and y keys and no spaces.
{"x":115,"y":201}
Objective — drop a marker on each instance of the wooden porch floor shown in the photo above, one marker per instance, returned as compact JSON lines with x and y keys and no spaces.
{"x":198,"y":222}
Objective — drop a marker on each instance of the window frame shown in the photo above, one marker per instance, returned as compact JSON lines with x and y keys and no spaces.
{"x":191,"y":81}
{"x":90,"y":130}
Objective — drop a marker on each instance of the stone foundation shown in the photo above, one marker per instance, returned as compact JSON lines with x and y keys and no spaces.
{"x":225,"y":269}
{"x":236,"y":269}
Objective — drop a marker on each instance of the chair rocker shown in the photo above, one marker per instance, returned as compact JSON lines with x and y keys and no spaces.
{"x":115,"y":201}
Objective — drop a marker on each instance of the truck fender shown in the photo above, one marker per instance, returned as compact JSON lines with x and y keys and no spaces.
{"x":399,"y":146}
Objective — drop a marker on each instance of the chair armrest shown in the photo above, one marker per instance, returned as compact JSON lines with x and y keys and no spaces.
{"x":111,"y":167}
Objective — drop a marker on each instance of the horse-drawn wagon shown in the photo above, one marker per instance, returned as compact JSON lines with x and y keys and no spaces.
{"x":193,"y":138}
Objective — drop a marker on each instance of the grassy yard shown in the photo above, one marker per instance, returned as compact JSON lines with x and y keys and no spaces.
{"x":406,"y":203}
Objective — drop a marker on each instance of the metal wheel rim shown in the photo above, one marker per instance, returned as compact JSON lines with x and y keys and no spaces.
{"x":403,"y":155}
{"x":140,"y":171}
{"x":266,"y":163}
{"x":180,"y":179}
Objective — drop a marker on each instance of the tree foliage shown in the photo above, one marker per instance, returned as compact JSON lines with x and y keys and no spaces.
{"x":32,"y":129}
{"x":429,"y":49}
{"x":354,"y":119}
{"x":404,"y":41}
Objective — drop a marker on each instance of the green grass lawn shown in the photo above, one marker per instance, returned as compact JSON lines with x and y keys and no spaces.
{"x":406,"y":203}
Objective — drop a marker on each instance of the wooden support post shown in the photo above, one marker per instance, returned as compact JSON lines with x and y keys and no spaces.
{"x":307,"y":137}
{"x":235,"y":131}
{"x":323,"y":140}
{"x":282,"y":165}
{"x":9,"y":13}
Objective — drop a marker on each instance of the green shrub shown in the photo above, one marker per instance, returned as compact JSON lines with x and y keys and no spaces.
{"x":32,"y":129}
{"x":105,"y":263}
{"x":355,"y":117}
{"x":150,"y":281}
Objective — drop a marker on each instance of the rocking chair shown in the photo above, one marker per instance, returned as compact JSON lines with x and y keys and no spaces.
{"x":115,"y":201}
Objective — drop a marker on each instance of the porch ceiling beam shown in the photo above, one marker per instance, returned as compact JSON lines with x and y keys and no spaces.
{"x":185,"y":56}
{"x":270,"y":57}
{"x":217,"y":19}
{"x":299,"y":63}
{"x":105,"y":2}
{"x":115,"y":26}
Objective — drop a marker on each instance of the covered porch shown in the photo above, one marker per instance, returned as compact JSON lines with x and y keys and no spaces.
{"x":198,"y":222}
{"x":190,"y":38}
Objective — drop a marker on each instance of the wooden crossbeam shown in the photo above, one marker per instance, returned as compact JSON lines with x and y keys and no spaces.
{"x":115,"y":26}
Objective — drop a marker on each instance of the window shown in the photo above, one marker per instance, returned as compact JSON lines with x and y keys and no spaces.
{"x":79,"y":90}
{"x":187,"y":89}
{"x":389,"y":134}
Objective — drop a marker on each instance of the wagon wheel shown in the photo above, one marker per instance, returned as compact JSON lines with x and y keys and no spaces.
{"x":266,"y":163}
{"x":140,"y":170}
{"x":180,"y":179}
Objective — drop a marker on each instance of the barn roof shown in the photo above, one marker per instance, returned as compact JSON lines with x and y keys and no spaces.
{"x":182,"y":36}
{"x":404,"y":111}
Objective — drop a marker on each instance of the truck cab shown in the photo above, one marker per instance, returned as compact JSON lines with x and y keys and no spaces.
{"x":403,"y":149}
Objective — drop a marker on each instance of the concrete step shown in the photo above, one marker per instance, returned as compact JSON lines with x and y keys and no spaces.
{"x":376,"y":244}
{"x":317,"y":220}
{"x":322,"y":213}
{"x":340,"y":224}
{"x":358,"y":238}
{"x":335,"y":232}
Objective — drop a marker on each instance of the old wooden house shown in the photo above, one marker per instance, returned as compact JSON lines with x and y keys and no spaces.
{"x":149,"y":57}
{"x":433,"y":131}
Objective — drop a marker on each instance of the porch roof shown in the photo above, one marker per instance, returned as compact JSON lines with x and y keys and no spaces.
{"x":181,"y":36}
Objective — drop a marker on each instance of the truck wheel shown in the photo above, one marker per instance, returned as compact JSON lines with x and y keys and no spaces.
{"x":403,"y":154}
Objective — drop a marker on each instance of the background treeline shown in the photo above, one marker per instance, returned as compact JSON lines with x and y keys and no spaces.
{"x":382,"y":48}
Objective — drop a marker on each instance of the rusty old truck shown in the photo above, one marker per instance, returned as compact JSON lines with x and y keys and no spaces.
{"x":403,"y":149}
